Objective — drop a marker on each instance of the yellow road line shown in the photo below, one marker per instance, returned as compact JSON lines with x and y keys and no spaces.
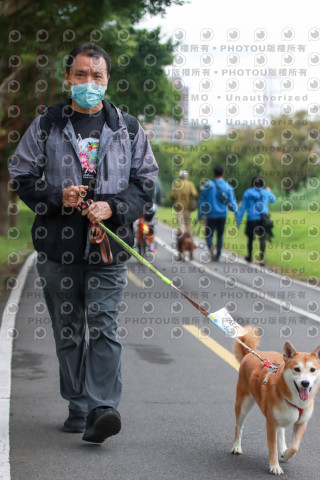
{"x":197,"y":333}
{"x":134,"y":279}
{"x":213,"y":346}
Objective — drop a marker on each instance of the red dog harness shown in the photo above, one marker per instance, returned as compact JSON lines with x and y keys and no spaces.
{"x":299,"y":409}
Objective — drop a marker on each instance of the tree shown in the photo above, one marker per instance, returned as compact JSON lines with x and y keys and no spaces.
{"x":293,"y":144}
{"x":286,"y":154}
{"x":139,"y":83}
{"x":232,"y":153}
{"x":38,"y":35}
{"x":170,"y":159}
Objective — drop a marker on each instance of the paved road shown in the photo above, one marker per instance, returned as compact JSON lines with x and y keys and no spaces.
{"x":177,"y":404}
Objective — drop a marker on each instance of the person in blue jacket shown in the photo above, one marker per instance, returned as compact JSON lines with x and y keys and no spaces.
{"x":216,"y":198}
{"x":255,"y":202}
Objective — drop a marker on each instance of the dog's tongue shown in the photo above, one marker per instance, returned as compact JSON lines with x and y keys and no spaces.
{"x":304,"y":393}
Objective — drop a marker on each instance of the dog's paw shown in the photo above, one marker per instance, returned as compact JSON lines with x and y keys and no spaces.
{"x":276,"y":470}
{"x":289,"y":453}
{"x":284,"y":458}
{"x":282,"y":453}
{"x":236,"y":451}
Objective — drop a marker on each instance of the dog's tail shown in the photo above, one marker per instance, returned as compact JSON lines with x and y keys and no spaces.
{"x":251,"y":339}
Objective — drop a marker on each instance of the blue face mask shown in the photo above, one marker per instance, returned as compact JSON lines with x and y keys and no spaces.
{"x":87,"y":95}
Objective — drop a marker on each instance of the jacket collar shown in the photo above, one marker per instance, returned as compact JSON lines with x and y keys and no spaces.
{"x":59,"y":114}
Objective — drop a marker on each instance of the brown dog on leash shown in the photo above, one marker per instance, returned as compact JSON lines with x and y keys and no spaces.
{"x":184,"y":244}
{"x":285,"y":398}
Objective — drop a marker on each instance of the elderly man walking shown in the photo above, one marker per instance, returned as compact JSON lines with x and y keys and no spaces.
{"x":85,"y":147}
{"x":184,"y":195}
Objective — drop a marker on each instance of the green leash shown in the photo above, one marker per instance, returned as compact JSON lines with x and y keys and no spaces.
{"x":221,"y":319}
{"x":154,"y":270}
{"x":135,"y":254}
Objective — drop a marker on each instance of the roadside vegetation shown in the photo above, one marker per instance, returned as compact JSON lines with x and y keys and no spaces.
{"x":294,"y":250}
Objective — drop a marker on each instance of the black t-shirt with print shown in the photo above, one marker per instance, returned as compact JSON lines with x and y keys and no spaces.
{"x":88,"y":128}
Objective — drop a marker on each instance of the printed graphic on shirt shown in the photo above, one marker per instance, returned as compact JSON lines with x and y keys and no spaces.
{"x":88,"y":153}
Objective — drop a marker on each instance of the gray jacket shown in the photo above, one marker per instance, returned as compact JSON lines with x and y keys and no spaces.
{"x":40,"y":170}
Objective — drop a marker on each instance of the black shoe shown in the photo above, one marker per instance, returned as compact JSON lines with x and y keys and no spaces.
{"x":216,"y":258}
{"x":248,"y":259}
{"x":102,"y":422}
{"x":76,"y":422}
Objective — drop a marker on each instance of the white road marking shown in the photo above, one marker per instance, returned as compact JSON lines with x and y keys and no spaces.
{"x":259,"y":294}
{"x":7,"y":334}
{"x":266,"y":270}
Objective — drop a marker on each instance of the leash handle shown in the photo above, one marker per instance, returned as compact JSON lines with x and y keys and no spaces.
{"x":105,"y":248}
{"x":104,"y":244}
{"x":86,"y":204}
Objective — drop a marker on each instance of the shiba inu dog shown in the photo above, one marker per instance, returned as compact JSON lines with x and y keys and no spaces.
{"x":285,"y":398}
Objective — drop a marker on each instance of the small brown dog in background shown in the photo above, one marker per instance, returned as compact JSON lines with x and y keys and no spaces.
{"x":184,"y":244}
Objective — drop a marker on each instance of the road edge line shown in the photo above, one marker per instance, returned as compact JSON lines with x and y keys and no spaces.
{"x":258,"y":293}
{"x":6,"y":342}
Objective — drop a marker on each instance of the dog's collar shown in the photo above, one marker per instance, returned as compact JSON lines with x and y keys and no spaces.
{"x":292,"y":405}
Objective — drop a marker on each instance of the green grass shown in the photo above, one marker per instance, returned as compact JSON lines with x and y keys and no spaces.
{"x":18,"y":240}
{"x":294,"y":250}
{"x":15,"y":246}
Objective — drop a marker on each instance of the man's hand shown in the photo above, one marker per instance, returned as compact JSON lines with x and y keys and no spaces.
{"x":73,"y":195}
{"x":98,"y":211}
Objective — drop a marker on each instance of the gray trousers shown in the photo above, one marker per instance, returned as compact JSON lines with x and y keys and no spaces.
{"x":83,"y":302}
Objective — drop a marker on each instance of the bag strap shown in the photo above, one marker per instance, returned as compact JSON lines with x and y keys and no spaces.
{"x":219,"y":189}
{"x":132,"y":125}
{"x":260,"y":199}
{"x":45,"y":128}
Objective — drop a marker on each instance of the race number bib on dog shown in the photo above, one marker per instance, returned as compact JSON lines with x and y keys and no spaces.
{"x":223,"y":320}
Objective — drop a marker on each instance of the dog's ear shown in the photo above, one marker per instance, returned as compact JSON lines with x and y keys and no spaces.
{"x":316,"y":352}
{"x":288,"y":351}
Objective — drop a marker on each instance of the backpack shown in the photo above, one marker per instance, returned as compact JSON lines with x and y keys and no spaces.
{"x":266,"y":222}
{"x":131,"y":123}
